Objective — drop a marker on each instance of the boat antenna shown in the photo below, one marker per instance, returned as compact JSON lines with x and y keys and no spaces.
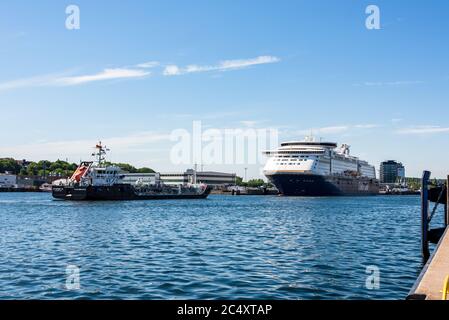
{"x":311,"y":138}
{"x":100,"y":154}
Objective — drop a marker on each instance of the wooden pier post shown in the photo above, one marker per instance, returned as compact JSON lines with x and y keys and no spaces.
{"x":425,"y":215}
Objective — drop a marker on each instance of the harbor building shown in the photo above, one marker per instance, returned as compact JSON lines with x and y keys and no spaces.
{"x":211,"y":178}
{"x":392,"y":172}
{"x":8,"y":180}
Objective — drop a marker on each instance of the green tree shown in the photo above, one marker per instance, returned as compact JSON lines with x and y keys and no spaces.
{"x":256,"y":183}
{"x":129,"y":168}
{"x":9,"y":165}
{"x":239,"y":182}
{"x":32,"y":169}
{"x":57,"y":168}
{"x":145,"y":170}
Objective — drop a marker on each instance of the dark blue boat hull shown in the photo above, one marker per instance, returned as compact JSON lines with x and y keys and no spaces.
{"x":120,"y":192}
{"x":310,"y":185}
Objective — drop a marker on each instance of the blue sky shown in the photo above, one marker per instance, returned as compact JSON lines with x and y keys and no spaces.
{"x":137,"y":70}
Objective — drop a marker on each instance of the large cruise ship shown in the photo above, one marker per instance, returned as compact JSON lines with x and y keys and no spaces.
{"x":311,"y":168}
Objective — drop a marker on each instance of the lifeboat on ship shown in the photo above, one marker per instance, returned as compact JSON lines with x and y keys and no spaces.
{"x":80,"y":172}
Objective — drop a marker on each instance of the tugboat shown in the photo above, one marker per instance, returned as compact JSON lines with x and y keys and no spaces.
{"x":96,"y":180}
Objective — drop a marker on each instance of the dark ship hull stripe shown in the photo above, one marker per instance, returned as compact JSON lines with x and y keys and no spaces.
{"x":120,"y":192}
{"x":318,"y":185}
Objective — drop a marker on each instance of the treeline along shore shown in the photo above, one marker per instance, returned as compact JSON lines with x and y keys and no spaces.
{"x":50,"y":171}
{"x":57,"y":168}
{"x":30,"y":175}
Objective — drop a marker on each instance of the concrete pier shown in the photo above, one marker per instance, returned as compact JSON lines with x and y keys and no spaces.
{"x":431,"y":282}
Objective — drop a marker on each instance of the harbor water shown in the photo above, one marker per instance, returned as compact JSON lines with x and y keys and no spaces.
{"x":245,"y":247}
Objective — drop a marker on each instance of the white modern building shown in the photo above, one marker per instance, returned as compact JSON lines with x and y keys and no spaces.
{"x":211,"y":178}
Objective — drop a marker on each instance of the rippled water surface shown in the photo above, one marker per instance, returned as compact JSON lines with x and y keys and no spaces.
{"x":221,"y":248}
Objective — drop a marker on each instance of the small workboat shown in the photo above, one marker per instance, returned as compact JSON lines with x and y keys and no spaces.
{"x":96,"y":180}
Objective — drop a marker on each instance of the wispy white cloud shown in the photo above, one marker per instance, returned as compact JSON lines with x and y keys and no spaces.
{"x":148,"y":65}
{"x":332,"y":130}
{"x":132,"y":72}
{"x":243,"y":63}
{"x":404,"y":83}
{"x":324,"y":130}
{"x":201,"y":116}
{"x":226,"y":65}
{"x":366,"y":126}
{"x":422,"y":130}
{"x":64,"y":80}
{"x":389,"y":83}
{"x":38,"y":81}
{"x":107,"y":74}
{"x":172,"y":70}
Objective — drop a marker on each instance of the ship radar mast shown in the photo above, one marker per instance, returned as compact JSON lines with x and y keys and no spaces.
{"x":310,"y":138}
{"x":100,"y":153}
{"x":345,"y":149}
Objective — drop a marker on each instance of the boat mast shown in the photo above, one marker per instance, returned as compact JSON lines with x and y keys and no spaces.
{"x":100,"y":154}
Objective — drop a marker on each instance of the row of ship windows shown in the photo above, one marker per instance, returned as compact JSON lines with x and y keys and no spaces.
{"x":299,"y":152}
{"x":289,"y":157}
{"x":296,"y":160}
{"x":314,"y":166}
{"x":334,"y":165}
{"x":290,"y":160}
{"x":292,"y":164}
{"x":318,"y":157}
{"x":104,"y":176}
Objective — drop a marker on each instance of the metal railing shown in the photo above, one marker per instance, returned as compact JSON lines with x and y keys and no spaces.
{"x":428,"y":234}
